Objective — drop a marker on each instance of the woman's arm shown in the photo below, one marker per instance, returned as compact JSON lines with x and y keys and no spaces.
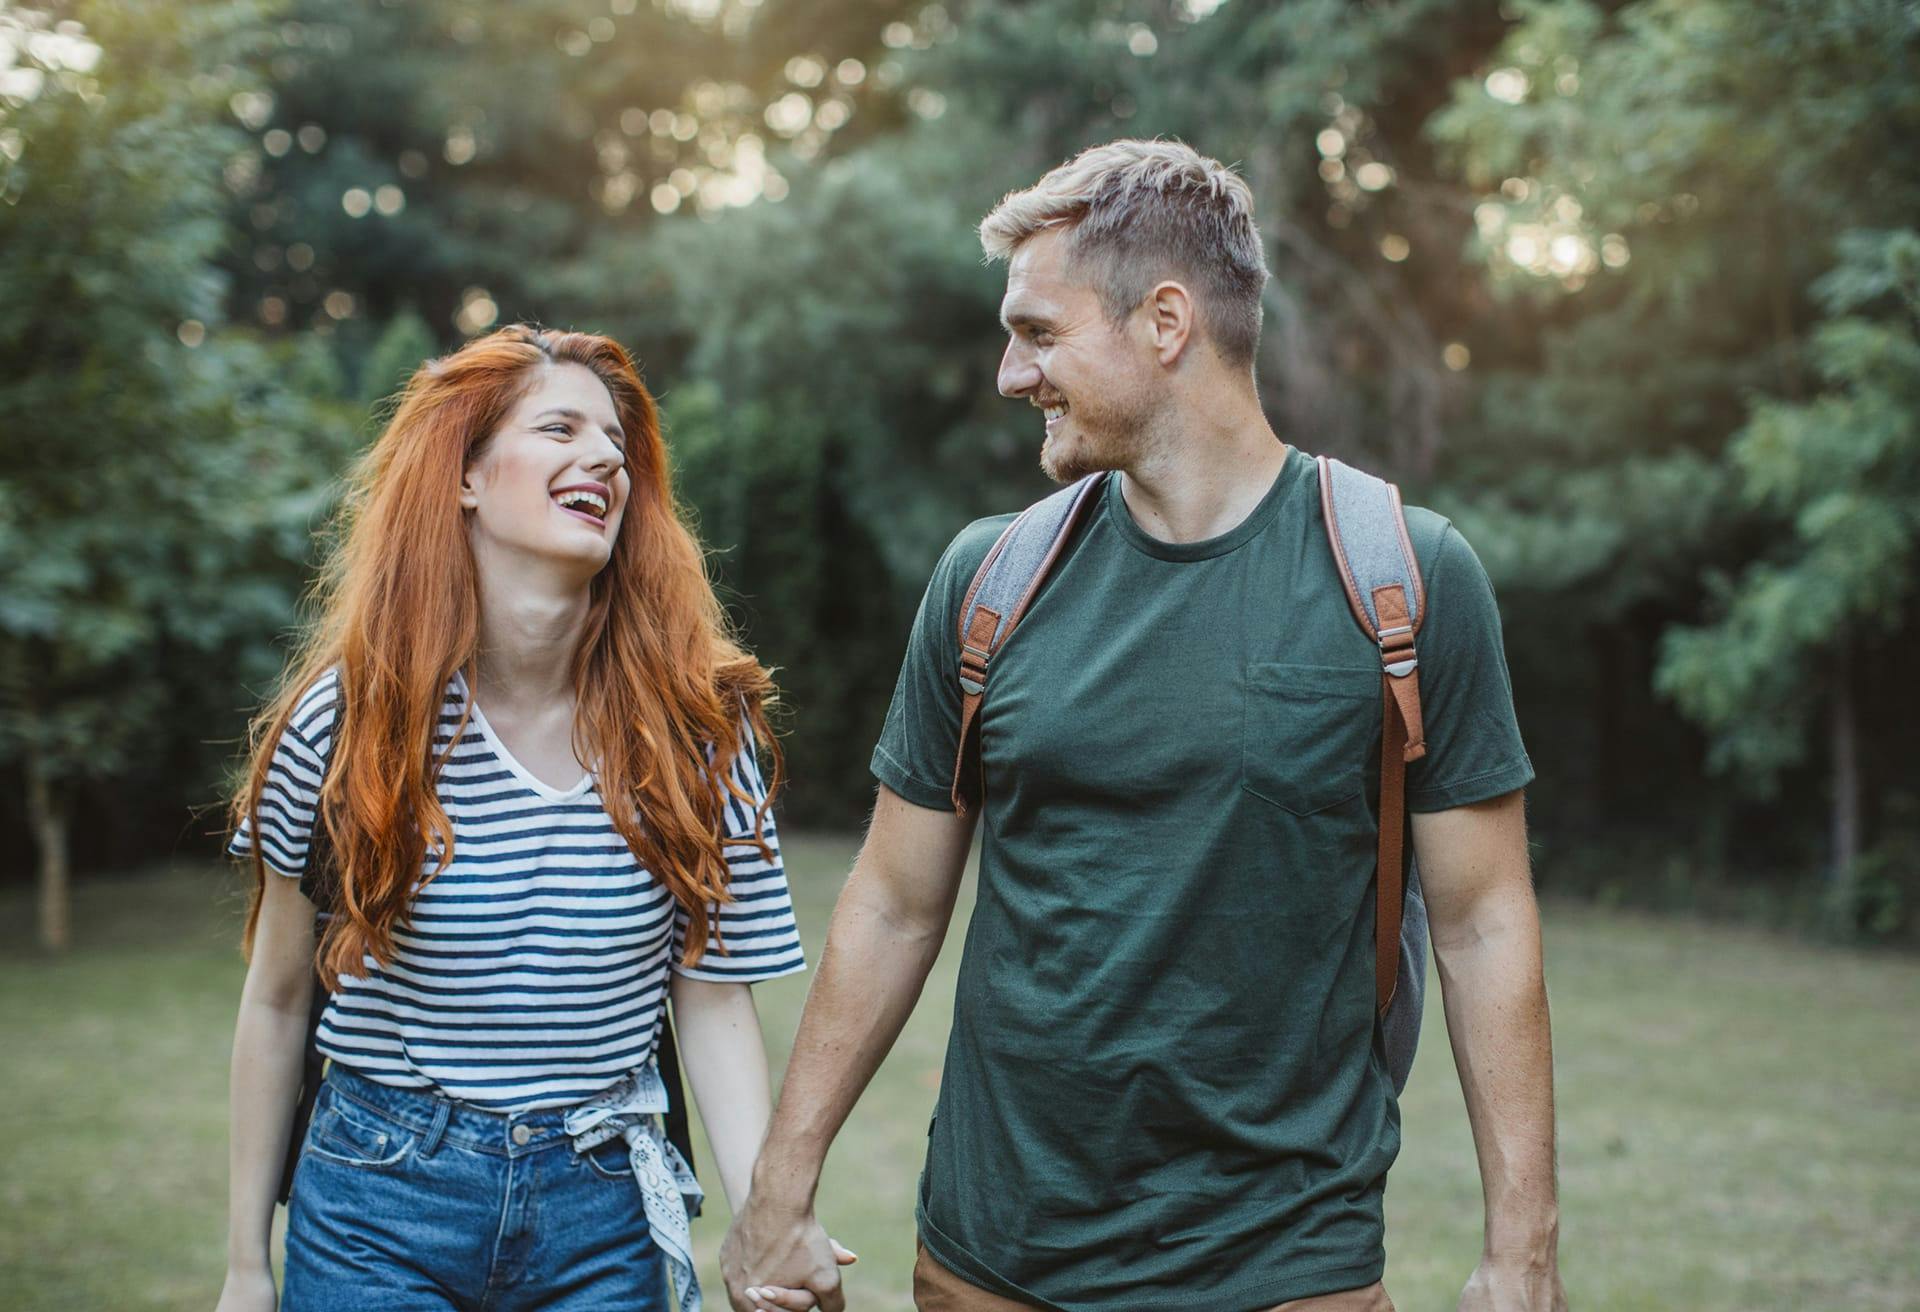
{"x":268,"y":1052}
{"x":726,"y":1062}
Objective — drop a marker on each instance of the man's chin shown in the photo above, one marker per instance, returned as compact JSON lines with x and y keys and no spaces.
{"x":1067,"y":463}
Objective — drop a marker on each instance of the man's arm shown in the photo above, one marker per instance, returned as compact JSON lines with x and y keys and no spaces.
{"x":887,"y":928}
{"x":1486,"y":941}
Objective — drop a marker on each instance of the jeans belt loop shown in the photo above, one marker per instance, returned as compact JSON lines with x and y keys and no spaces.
{"x":442,"y":1109}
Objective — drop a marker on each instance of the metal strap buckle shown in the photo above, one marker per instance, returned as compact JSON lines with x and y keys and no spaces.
{"x":1404,"y":662}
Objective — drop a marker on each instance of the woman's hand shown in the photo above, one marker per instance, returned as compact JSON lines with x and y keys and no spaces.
{"x":773,"y":1298}
{"x":248,"y":1291}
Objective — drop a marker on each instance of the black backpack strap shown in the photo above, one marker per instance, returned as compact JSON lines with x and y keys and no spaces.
{"x":997,"y":600}
{"x":679,"y":1133}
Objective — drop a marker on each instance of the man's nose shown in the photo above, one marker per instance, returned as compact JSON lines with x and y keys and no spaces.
{"x":1019,"y":376}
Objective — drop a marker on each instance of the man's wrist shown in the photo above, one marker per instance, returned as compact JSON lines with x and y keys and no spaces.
{"x":1523,"y":1244}
{"x":783,"y":1182}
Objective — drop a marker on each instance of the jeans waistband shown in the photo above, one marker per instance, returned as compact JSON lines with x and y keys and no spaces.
{"x":443,"y":1120}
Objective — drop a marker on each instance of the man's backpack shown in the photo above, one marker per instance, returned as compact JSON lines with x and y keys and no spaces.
{"x":320,"y":884}
{"x":1367,"y":532}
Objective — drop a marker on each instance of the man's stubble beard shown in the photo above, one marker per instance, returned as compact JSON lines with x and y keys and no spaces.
{"x":1112,"y":440}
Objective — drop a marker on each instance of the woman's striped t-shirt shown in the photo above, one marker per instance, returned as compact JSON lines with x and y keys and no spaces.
{"x":532,"y":971}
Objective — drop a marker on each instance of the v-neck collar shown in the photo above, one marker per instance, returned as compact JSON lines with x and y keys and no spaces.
{"x":478,"y":718}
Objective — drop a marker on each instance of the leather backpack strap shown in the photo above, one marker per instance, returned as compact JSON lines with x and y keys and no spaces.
{"x":998,"y":598}
{"x":1367,"y":529}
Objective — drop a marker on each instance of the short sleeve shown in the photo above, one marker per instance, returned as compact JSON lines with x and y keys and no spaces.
{"x":1474,"y":751}
{"x":921,"y":737}
{"x":760,"y":937}
{"x":289,"y":801}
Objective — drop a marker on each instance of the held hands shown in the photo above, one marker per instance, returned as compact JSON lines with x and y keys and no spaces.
{"x":1514,"y":1287}
{"x":778,"y":1298}
{"x":779,"y":1259}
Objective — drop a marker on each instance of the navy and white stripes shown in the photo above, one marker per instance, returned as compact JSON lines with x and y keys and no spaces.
{"x":532,"y":971}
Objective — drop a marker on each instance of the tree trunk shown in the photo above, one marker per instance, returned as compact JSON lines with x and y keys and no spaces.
{"x":1844,"y":825}
{"x":46,"y":815}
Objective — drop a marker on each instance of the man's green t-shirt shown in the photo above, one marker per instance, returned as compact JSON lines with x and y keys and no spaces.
{"x":1164,"y":1086}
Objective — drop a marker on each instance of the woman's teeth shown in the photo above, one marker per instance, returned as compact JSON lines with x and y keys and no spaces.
{"x":590,"y":503}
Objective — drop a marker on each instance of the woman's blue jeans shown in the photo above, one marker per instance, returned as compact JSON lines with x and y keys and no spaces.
{"x":404,"y":1201}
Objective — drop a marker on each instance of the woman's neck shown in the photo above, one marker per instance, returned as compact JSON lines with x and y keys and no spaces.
{"x":530,"y":627}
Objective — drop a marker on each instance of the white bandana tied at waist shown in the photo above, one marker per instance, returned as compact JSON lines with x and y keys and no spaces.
{"x":633,"y":1109}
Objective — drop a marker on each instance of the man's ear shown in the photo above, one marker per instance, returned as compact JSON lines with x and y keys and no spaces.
{"x":1170,"y":313}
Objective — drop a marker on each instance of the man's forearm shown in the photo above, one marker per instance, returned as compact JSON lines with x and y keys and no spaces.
{"x":1496,"y":1006}
{"x":874,"y":965}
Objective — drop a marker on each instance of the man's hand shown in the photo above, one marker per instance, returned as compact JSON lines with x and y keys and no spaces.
{"x":772,"y":1253}
{"x":1504,"y":1287}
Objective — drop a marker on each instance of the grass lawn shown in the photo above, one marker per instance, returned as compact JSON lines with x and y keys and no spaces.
{"x":1739,"y":1115}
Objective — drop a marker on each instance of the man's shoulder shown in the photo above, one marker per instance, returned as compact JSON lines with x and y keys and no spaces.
{"x":1427,"y":532}
{"x":961,"y":560}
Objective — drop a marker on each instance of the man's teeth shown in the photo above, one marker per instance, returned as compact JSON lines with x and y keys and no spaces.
{"x":591,"y":502}
{"x":1053,"y":412}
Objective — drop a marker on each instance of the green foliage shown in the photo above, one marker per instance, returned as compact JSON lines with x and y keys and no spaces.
{"x":1624,"y":288}
{"x":403,"y":344}
{"x":157,"y":475}
{"x":1837,"y":478}
{"x":1655,"y":189}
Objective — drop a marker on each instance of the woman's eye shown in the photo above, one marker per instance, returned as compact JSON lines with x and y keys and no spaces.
{"x":561,"y":429}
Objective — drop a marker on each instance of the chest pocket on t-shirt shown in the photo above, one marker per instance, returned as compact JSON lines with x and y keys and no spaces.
{"x":1307,"y":734}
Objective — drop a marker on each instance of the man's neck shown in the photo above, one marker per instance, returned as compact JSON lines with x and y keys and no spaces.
{"x":1203,"y":476}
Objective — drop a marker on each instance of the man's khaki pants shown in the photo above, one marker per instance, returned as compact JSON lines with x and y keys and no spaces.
{"x":936,"y":1289}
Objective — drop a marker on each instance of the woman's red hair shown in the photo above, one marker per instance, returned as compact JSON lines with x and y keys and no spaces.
{"x":659,"y":681}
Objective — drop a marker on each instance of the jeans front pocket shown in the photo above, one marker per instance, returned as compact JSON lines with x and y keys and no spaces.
{"x":348,"y":1134}
{"x":1308,"y":733}
{"x":611,"y":1160}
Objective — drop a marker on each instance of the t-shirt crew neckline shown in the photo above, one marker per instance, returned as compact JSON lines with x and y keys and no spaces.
{"x":1207,"y":548}
{"x":499,"y":749}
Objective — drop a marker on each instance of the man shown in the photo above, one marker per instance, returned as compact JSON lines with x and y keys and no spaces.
{"x":1165,"y":1086}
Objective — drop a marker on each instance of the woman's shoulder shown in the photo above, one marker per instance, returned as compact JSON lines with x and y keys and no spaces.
{"x":318,"y":710}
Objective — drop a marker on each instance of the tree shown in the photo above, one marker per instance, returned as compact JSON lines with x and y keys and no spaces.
{"x":1656,"y":187}
{"x":154,"y":472}
{"x":1837,"y":479}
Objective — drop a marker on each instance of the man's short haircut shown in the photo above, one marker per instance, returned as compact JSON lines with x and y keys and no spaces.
{"x":1139,"y":212}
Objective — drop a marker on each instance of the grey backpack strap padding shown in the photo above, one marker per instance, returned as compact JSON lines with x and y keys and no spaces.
{"x":1367,"y":532}
{"x":1012,"y":572}
{"x":1369,"y":529}
{"x":1002,"y":589}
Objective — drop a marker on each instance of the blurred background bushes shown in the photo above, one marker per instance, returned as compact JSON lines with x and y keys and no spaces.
{"x":1629,"y":290}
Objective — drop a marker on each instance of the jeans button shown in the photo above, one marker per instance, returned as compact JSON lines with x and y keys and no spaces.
{"x":521,"y":1134}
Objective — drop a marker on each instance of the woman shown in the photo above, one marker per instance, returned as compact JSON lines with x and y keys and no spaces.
{"x":521,"y":733}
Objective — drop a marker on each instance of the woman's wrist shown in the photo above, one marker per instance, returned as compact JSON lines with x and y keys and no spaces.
{"x":248,"y":1259}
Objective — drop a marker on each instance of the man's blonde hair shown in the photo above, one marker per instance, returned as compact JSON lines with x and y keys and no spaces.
{"x":1139,"y":212}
